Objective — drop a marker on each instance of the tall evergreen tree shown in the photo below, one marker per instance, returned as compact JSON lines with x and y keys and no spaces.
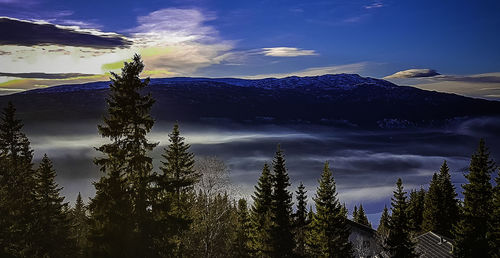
{"x":361,"y":217}
{"x":416,"y":210}
{"x":176,"y":188}
{"x":383,"y":225}
{"x":300,"y":221}
{"x":329,"y":232}
{"x":242,"y":246}
{"x":126,"y":164}
{"x":441,"y":210}
{"x":471,"y":232}
{"x":17,"y":184}
{"x":399,"y":243}
{"x":80,"y":227}
{"x":494,"y":230}
{"x":355,"y":213}
{"x":53,"y":224}
{"x":281,"y":231}
{"x":261,"y":213}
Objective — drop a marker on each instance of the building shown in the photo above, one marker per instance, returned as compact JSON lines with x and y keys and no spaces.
{"x":364,"y":240}
{"x":433,"y":245}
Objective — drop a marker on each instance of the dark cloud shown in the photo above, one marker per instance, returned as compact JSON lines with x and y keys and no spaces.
{"x":45,"y":75}
{"x":26,"y":33}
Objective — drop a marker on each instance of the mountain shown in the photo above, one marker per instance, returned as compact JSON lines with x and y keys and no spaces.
{"x":342,"y":99}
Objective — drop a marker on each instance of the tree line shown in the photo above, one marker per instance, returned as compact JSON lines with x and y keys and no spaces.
{"x":186,"y":210}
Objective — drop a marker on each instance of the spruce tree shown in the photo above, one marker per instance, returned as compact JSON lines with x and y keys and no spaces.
{"x":80,"y":227}
{"x":432,"y":219}
{"x":126,"y":185}
{"x":471,"y":231}
{"x":383,"y":226}
{"x":261,"y":214}
{"x":399,"y":243}
{"x":441,"y":210}
{"x":281,"y":231}
{"x":242,"y":245}
{"x":416,"y":210}
{"x":300,"y":221}
{"x":494,"y":230}
{"x":361,"y":217}
{"x":52,"y":221}
{"x":17,"y":184}
{"x":355,"y":213}
{"x":329,"y":231}
{"x":175,"y":185}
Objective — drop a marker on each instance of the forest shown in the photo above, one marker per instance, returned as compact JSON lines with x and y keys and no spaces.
{"x":185,"y":208}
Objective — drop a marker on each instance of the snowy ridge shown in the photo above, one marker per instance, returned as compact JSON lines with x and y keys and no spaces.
{"x":328,"y":82}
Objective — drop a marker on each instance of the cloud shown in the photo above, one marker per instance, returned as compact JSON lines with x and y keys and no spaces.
{"x":28,"y":33}
{"x":178,"y":41}
{"x":374,"y":5}
{"x":172,"y":42}
{"x":287,"y":52}
{"x":336,"y":69}
{"x":45,"y":75}
{"x":477,"y":85}
{"x":413,"y":73}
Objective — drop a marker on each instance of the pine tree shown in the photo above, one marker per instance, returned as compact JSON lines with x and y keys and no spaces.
{"x":80,"y":227}
{"x":361,"y":217}
{"x":329,"y":232}
{"x":17,"y":184}
{"x":432,"y":218}
{"x":494,"y":230}
{"x":399,"y":243}
{"x":471,"y":231}
{"x":53,"y":224}
{"x":242,"y":246}
{"x":261,"y":213}
{"x":125,"y":187}
{"x":383,"y":226}
{"x":450,"y":210}
{"x":355,"y":213}
{"x":281,"y":231}
{"x":175,"y":185}
{"x":416,"y":210}
{"x":300,"y":221}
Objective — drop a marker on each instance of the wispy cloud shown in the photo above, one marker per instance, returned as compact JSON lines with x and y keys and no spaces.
{"x":45,"y":75}
{"x":287,"y":52}
{"x":374,"y":5}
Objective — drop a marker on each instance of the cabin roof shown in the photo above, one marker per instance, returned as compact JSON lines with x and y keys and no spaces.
{"x":431,"y":244}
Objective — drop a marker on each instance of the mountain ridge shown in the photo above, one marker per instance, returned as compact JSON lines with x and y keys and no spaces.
{"x":342,"y":99}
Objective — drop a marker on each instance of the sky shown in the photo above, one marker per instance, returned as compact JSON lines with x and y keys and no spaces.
{"x":449,"y":46}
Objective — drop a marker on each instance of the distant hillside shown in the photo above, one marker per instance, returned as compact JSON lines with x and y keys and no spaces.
{"x":342,"y":99}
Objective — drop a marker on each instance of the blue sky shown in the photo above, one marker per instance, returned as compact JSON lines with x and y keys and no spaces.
{"x":456,"y":39}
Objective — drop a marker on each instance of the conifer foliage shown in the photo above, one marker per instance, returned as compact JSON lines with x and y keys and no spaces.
{"x":329,"y":232}
{"x":120,"y":208}
{"x":398,"y":242}
{"x":471,"y":232}
{"x":300,"y":221}
{"x":261,"y":214}
{"x":360,"y":216}
{"x":52,"y":218}
{"x":18,"y":205}
{"x":441,"y":208}
{"x":281,"y":230}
